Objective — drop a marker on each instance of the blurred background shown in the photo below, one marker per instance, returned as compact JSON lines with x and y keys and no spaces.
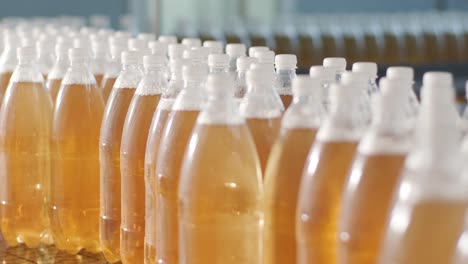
{"x":426,"y":34}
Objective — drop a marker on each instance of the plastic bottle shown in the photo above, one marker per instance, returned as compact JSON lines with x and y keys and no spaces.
{"x":117,"y":46}
{"x":337,"y":63}
{"x":174,"y":140}
{"x":253,"y":50}
{"x":370,"y":70}
{"x":132,"y":157}
{"x":8,"y":60}
{"x":45,"y":51}
{"x":158,"y":48}
{"x":168,"y":39}
{"x":216,"y":47}
{"x":266,"y":60}
{"x":429,"y":209}
{"x":158,"y":124}
{"x":227,"y":229}
{"x":100,"y":59}
{"x":325,"y":175}
{"x":109,"y":152}
{"x":75,"y":140}
{"x":192,"y":42}
{"x":286,"y":65}
{"x":25,"y":122}
{"x":243,"y":65}
{"x":360,"y":80}
{"x":406,"y":75}
{"x":147,"y":37}
{"x":176,"y":51}
{"x":198,"y":57}
{"x":262,"y":112}
{"x":327,"y":78}
{"x":461,"y":254}
{"x":374,"y":176}
{"x":59,"y":69}
{"x":218,"y":63}
{"x":285,"y":166}
{"x":234,"y":51}
{"x":137,"y":44}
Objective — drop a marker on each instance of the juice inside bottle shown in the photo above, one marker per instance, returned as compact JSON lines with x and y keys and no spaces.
{"x":324,"y":177}
{"x":8,"y":60}
{"x":374,"y":176}
{"x":262,"y":112}
{"x":25,"y":122}
{"x":59,"y":69}
{"x":286,"y":70}
{"x":118,"y":45}
{"x":174,"y":140}
{"x":284,"y":170}
{"x":132,"y":158}
{"x":152,"y":149}
{"x":75,"y":140}
{"x":220,"y":161}
{"x":110,"y":144}
{"x":428,"y":214}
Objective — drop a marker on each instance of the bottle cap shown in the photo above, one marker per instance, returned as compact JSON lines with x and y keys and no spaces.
{"x":337,"y":63}
{"x":356,"y":78}
{"x":124,"y":34}
{"x":131,"y":57}
{"x":176,"y":51}
{"x":303,"y":85}
{"x":438,"y":79}
{"x":266,"y":56}
{"x":154,"y":61}
{"x":216,"y":47}
{"x":178,"y":64}
{"x":325,"y":74}
{"x":367,"y":68}
{"x":137,"y":44}
{"x":235,"y":50}
{"x":286,"y":61}
{"x":168,"y":39}
{"x":118,"y":41}
{"x":147,"y":36}
{"x":244,"y":63}
{"x":158,"y":47}
{"x":196,"y":54}
{"x":193,"y":72}
{"x":253,"y":50}
{"x":192,"y":42}
{"x":404,"y":73}
{"x":218,"y":60}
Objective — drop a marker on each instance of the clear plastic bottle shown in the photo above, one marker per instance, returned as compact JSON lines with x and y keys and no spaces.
{"x":132,"y":157}
{"x":109,"y":151}
{"x":218,"y":63}
{"x":192,"y":42}
{"x":370,"y":70}
{"x":75,"y":140}
{"x":100,"y":59}
{"x":117,"y":46}
{"x":137,"y":44}
{"x":243,"y":65}
{"x":253,"y":50}
{"x":406,"y":75}
{"x":59,"y":69}
{"x":428,"y":214}
{"x":327,"y":78}
{"x":360,"y":80}
{"x":266,"y":60}
{"x":147,"y":36}
{"x":176,"y":51}
{"x":374,"y":176}
{"x":168,"y":39}
{"x":216,"y":47}
{"x":227,"y":229}
{"x":338,"y":64}
{"x":158,"y":48}
{"x":174,"y":141}
{"x":234,"y":51}
{"x":25,"y":123}
{"x":158,"y":124}
{"x":285,"y":166}
{"x":286,"y":65}
{"x":8,"y":60}
{"x":198,"y":57}
{"x":325,"y":175}
{"x":45,"y":51}
{"x":262,"y":112}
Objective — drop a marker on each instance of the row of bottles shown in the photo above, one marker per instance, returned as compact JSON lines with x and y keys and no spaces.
{"x":154,"y":151}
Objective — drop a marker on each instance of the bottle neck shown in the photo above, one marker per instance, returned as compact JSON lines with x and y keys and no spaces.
{"x":131,"y":67}
{"x":26,"y":62}
{"x":219,"y":69}
{"x":193,"y":84}
{"x":156,"y":72}
{"x":177,"y":75}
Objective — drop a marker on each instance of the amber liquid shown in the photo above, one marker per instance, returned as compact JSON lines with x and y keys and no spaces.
{"x":329,"y":46}
{"x":351,"y":48}
{"x":168,"y":166}
{"x":371,"y":48}
{"x":308,"y":52}
{"x":222,"y":163}
{"x":75,"y":178}
{"x":25,"y":123}
{"x":132,"y":161}
{"x":391,"y":49}
{"x":99,"y":78}
{"x":287,"y":100}
{"x":109,"y":153}
{"x":54,"y":86}
{"x":107,"y":85}
{"x":431,"y":48}
{"x":152,"y":148}
{"x":282,"y":180}
{"x":320,"y":201}
{"x":366,"y":206}
{"x":431,"y":234}
{"x":264,"y":133}
{"x":4,"y":80}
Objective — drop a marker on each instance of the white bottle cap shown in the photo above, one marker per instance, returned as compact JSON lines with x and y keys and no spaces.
{"x":158,"y":47}
{"x":78,"y":54}
{"x":116,"y":51}
{"x":124,"y":34}
{"x":337,"y":63}
{"x":81,"y":42}
{"x":197,"y":55}
{"x":137,"y":44}
{"x":267,"y":56}
{"x":147,"y":36}
{"x":193,"y":72}
{"x":220,"y":84}
{"x":118,"y":41}
{"x":131,"y":57}
{"x":65,"y":40}
{"x":285,"y":61}
{"x":403,"y":73}
{"x":253,"y":50}
{"x":100,"y":47}
{"x":28,"y":52}
{"x":368,"y":68}
{"x":354,"y":78}
{"x":169,"y":39}
{"x":303,"y":85}
{"x":192,"y":42}
{"x":325,"y":74}
{"x":218,"y":60}
{"x":216,"y":47}
{"x":154,"y":61}
{"x":244,"y":63}
{"x":235,"y":50}
{"x":444,"y":79}
{"x":176,"y":51}
{"x":178,"y":64}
